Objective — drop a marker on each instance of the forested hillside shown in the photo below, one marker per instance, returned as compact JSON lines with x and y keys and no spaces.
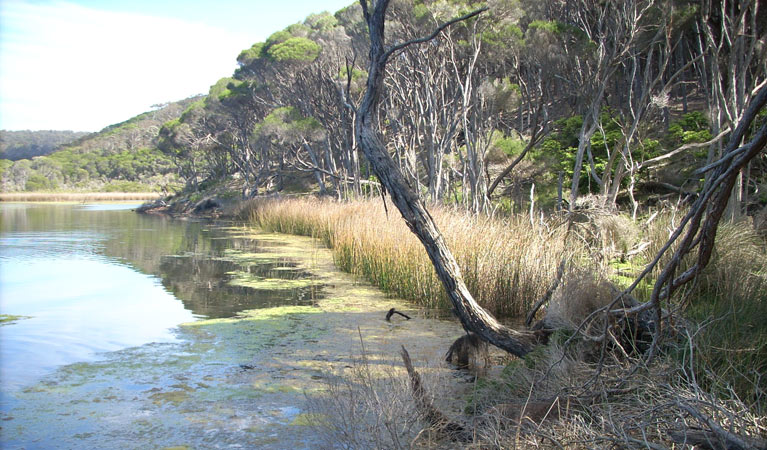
{"x":623,"y":100}
{"x":121,"y":157}
{"x":15,"y":145}
{"x":531,"y":101}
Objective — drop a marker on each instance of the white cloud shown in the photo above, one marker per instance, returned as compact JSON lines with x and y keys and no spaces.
{"x":64,"y":66}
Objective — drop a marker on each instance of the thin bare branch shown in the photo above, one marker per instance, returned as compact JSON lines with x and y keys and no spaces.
{"x":440,"y":29}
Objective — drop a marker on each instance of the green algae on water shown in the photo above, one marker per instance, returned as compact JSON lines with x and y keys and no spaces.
{"x":277,"y":312}
{"x":246,"y":279}
{"x":9,"y":319}
{"x":310,"y":420}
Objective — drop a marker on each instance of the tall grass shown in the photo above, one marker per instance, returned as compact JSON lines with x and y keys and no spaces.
{"x":727,"y":303}
{"x":506,"y":264}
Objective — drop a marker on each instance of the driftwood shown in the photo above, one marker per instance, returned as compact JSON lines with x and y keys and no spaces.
{"x":393,"y":312}
{"x":472,"y":316}
{"x":424,"y":403}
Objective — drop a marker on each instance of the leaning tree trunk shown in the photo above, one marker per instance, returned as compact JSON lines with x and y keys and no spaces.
{"x":472,"y":316}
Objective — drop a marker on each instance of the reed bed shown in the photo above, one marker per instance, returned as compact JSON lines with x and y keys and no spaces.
{"x":507,"y":264}
{"x":76,"y":197}
{"x":715,"y":368}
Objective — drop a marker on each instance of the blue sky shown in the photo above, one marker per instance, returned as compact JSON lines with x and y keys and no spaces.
{"x":84,"y":64}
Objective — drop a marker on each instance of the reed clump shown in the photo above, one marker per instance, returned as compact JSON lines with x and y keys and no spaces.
{"x":507,"y":264}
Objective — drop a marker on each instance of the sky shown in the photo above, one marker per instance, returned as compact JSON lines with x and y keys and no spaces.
{"x":82,"y":65}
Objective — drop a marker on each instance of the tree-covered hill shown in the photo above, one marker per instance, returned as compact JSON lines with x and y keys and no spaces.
{"x":620,"y":101}
{"x":15,"y":145}
{"x":121,"y":157}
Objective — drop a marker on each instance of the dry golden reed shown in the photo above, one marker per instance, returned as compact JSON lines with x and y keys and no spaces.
{"x":507,"y":264}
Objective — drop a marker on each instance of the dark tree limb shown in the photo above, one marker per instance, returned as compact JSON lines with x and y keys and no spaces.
{"x":716,"y":437}
{"x":701,"y":223}
{"x":713,"y":202}
{"x":393,"y":312}
{"x":472,"y":316}
{"x":440,"y":29}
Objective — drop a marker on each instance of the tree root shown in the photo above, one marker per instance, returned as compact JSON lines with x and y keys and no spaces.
{"x":467,"y":349}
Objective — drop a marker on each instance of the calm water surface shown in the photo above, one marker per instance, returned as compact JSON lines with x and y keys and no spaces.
{"x":138,"y":331}
{"x":76,"y":298}
{"x":95,"y":278}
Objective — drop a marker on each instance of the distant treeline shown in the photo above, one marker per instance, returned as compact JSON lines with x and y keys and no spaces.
{"x":121,"y":157}
{"x":15,"y":145}
{"x":544,"y":101}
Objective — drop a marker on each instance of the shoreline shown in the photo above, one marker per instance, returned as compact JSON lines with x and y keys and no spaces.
{"x":76,"y":196}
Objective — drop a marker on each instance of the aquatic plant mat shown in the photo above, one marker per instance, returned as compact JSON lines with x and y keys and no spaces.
{"x":240,"y":381}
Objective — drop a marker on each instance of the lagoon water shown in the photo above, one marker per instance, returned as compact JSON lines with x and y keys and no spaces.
{"x":75,"y":299}
{"x":135,"y":331}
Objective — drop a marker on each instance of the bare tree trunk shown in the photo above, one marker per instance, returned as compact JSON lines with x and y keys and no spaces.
{"x":418,"y":219}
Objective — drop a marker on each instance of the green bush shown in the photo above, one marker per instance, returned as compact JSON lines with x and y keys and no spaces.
{"x":295,"y":49}
{"x":125,"y":186}
{"x":38,"y":182}
{"x":692,"y":127}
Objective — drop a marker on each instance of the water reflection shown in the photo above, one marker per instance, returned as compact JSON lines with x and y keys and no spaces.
{"x":202,"y":281}
{"x":98,"y":278}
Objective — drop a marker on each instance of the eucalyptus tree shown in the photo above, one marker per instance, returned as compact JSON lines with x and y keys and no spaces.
{"x":731,"y":41}
{"x":320,"y":92}
{"x":202,"y":141}
{"x":641,"y":85}
{"x":301,"y":67}
{"x":423,"y":107}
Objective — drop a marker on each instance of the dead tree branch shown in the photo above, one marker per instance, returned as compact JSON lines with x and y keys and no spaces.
{"x":547,"y":296}
{"x":472,"y":316}
{"x":701,"y":223}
